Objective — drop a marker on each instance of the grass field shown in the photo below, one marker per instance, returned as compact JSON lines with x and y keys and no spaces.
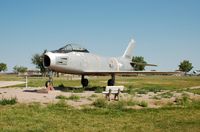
{"x":61,"y":117}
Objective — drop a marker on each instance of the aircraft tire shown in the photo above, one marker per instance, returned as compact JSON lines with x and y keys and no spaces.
{"x":84,"y":82}
{"x":110,"y":82}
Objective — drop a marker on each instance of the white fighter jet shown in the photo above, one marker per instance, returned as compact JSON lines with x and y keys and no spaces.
{"x":73,"y":59}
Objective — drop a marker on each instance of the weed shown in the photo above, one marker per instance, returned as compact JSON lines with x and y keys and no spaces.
{"x":184,"y":100}
{"x":195,"y":91}
{"x":94,"y":96}
{"x":99,"y":90}
{"x":166,"y":95}
{"x":73,"y":97}
{"x":130,"y":90}
{"x":10,"y":101}
{"x":156,"y":97}
{"x":100,"y":103}
{"x":142,"y":91}
{"x":119,"y":105}
{"x":130,"y":102}
{"x":143,"y":104}
{"x":78,"y":90}
{"x":61,"y":85}
{"x":61,"y":97}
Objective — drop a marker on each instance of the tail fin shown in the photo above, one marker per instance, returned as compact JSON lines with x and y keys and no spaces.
{"x":128,"y":53}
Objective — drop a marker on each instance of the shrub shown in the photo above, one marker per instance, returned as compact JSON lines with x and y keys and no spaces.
{"x":119,"y":105}
{"x":93,"y":96}
{"x":99,"y":90}
{"x":100,"y":102}
{"x":61,"y":97}
{"x":166,"y":95}
{"x":184,"y":100}
{"x":130,"y":102}
{"x":142,"y":91}
{"x":61,"y":85}
{"x":130,"y":90}
{"x":10,"y":101}
{"x":74,"y":97}
{"x":143,"y":104}
{"x":78,"y":90}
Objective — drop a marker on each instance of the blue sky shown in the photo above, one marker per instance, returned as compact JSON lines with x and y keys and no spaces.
{"x":166,"y":31}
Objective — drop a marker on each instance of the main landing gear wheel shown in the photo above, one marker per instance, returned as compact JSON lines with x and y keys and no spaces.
{"x":84,"y":81}
{"x":110,"y":82}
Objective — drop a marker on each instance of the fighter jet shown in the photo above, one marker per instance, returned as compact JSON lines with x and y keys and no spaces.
{"x":74,"y":59}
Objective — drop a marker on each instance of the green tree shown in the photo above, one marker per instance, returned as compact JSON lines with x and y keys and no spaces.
{"x":138,"y":63}
{"x":3,"y":67}
{"x":20,"y":69}
{"x":185,"y":66}
{"x":37,"y":59}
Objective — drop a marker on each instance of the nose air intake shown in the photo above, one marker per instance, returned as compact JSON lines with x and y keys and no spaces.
{"x":47,"y":61}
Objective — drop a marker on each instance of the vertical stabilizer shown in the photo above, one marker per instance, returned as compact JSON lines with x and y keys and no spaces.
{"x":128,"y":53}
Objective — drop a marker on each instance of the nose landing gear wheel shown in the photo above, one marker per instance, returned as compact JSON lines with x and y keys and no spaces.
{"x":110,"y":82}
{"x":84,"y":82}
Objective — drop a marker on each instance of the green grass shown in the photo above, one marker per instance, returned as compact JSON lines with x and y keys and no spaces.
{"x":166,"y":95}
{"x":10,"y":101}
{"x":100,"y":103}
{"x":72,"y":97}
{"x":184,"y":115}
{"x":61,"y":97}
{"x":183,"y":100}
{"x":150,"y":83}
{"x":195,"y":91}
{"x":143,"y":104}
{"x":59,"y":117}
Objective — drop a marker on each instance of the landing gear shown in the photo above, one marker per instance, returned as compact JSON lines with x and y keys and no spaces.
{"x":49,"y":83}
{"x":84,"y":81}
{"x":111,"y":82}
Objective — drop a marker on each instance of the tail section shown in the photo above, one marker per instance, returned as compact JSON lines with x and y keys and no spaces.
{"x":128,"y":53}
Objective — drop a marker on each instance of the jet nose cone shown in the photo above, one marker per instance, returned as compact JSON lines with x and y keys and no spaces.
{"x":49,"y":59}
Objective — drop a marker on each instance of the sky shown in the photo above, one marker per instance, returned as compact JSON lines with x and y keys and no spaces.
{"x":166,"y":31}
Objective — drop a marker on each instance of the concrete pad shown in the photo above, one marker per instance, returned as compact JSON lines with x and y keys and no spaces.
{"x":10,"y":83}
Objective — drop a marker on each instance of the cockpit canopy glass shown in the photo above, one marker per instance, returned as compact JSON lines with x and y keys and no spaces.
{"x":71,"y":48}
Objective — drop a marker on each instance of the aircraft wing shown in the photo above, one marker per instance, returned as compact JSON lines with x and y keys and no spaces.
{"x":103,"y":73}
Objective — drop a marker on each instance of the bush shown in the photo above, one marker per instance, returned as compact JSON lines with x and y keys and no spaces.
{"x":184,"y":100}
{"x":130,"y":102}
{"x":61,"y":97}
{"x":130,"y":90}
{"x":78,"y":90}
{"x":74,"y":97}
{"x":100,"y":102}
{"x":61,"y":85}
{"x":166,"y":95}
{"x":93,"y":96}
{"x":143,"y":104}
{"x":120,"y":105}
{"x":10,"y":101}
{"x":99,"y":90}
{"x":142,"y":91}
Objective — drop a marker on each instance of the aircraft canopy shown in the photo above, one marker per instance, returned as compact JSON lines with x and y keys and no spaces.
{"x":71,"y":48}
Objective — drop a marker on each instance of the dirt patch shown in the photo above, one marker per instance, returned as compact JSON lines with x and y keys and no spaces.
{"x":30,"y":95}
